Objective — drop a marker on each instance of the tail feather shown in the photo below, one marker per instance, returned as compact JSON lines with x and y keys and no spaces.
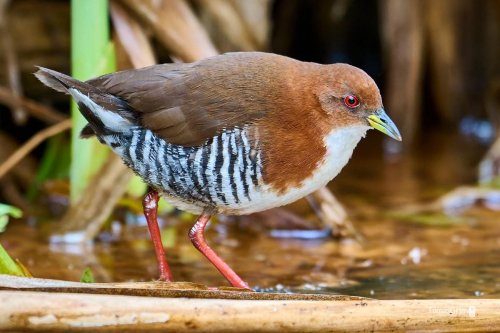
{"x":105,"y":112}
{"x":62,"y":82}
{"x":53,"y":79}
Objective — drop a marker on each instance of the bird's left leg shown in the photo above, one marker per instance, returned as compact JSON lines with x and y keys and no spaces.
{"x":197,"y":237}
{"x":150,"y":205}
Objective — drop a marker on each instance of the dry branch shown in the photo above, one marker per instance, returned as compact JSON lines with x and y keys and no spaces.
{"x":332,"y":214}
{"x":39,"y":111}
{"x":83,"y":221}
{"x":12,"y":188}
{"x":32,"y":143}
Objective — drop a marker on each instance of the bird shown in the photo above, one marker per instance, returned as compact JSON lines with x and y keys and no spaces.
{"x":232,"y":134}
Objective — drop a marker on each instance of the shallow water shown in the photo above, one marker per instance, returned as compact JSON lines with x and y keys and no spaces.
{"x":398,"y":258}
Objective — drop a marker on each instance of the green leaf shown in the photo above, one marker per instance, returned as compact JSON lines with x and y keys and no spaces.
{"x":5,"y":212}
{"x":4,"y":220}
{"x":8,"y":265}
{"x":87,"y":276}
{"x":9,"y":210}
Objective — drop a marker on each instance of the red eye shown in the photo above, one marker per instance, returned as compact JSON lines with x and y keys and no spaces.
{"x":351,"y":101}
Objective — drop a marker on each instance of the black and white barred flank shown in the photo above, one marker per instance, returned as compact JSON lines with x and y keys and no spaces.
{"x":224,"y":172}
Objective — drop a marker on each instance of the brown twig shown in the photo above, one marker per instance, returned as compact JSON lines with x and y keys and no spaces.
{"x":32,"y":143}
{"x":37,"y":110}
{"x":332,"y":213}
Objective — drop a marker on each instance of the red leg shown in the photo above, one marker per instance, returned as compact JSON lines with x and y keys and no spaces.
{"x":150,"y":205}
{"x":198,"y":239}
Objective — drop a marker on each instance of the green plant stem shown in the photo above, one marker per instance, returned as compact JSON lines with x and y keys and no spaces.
{"x":92,"y":54}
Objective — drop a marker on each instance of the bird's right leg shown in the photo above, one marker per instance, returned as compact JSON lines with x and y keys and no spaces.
{"x":197,"y":237}
{"x":150,"y":205}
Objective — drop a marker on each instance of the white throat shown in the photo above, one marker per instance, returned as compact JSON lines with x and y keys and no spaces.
{"x":340,"y":144}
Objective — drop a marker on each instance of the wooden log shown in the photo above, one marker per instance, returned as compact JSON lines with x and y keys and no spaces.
{"x":43,"y":305}
{"x":42,"y":311}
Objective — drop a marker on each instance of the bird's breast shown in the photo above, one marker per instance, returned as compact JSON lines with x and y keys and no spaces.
{"x":339,"y":145}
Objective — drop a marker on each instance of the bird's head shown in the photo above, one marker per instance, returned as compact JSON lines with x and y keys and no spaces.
{"x":350,"y":97}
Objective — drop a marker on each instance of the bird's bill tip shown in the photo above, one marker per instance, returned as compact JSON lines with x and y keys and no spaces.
{"x":381,"y":121}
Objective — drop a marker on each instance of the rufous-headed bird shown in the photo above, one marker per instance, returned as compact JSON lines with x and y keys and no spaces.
{"x":233,"y":134}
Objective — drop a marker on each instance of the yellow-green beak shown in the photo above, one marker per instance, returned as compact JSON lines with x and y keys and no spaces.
{"x":381,"y":121}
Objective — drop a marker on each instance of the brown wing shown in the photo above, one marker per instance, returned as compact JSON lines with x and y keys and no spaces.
{"x":188,"y":103}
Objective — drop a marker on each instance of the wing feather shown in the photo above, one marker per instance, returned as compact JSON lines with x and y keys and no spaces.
{"x":186,"y":104}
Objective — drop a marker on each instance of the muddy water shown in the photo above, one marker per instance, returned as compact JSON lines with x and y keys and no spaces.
{"x":399,"y":257}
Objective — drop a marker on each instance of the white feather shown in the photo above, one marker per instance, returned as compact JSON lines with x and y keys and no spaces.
{"x":110,"y":119}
